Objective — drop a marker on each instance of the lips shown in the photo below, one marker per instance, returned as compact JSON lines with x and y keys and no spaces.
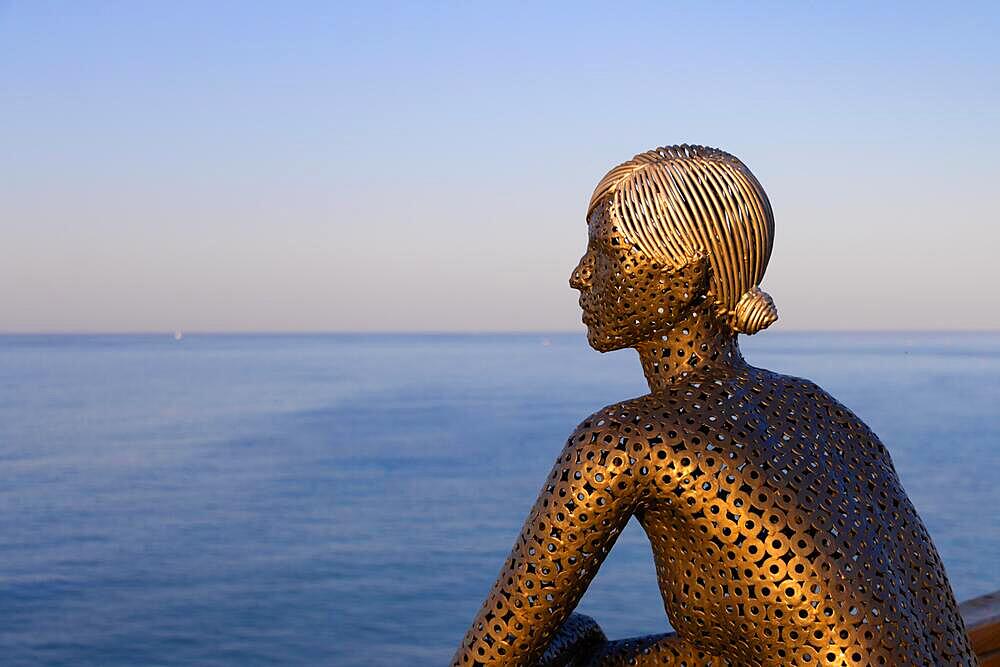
{"x":585,"y":316}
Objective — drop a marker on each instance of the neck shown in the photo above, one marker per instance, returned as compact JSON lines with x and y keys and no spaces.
{"x":700,"y":343}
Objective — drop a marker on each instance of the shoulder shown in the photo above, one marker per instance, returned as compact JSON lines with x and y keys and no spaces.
{"x":790,"y":386}
{"x":819,"y":398}
{"x":810,"y":403}
{"x":600,"y":432}
{"x":611,"y":440}
{"x":613,"y":424}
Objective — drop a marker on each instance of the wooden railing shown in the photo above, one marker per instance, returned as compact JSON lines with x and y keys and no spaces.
{"x":982,"y":620}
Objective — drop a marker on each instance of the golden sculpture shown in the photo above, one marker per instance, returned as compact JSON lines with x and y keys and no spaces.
{"x":780,"y":531}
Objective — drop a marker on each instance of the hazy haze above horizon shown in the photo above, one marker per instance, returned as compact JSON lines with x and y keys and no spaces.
{"x":310,"y":167}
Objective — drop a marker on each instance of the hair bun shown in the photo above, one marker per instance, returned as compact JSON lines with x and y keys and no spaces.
{"x":754,"y":311}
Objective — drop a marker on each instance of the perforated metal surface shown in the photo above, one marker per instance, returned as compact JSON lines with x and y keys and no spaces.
{"x":780,"y":531}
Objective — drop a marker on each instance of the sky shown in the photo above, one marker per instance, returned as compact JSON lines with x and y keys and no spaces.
{"x":235,"y":166}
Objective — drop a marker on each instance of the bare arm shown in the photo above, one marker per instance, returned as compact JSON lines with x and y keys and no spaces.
{"x":585,"y":502}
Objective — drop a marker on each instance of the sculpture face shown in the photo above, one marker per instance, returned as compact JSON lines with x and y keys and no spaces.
{"x":628,"y":297}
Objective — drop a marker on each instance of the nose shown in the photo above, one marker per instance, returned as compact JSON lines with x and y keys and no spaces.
{"x":580,"y":278}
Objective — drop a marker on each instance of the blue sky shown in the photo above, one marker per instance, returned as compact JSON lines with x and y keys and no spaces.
{"x":313,"y":167}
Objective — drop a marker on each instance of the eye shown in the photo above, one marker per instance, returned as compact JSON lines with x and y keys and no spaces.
{"x":604,"y":252}
{"x":607,"y":246}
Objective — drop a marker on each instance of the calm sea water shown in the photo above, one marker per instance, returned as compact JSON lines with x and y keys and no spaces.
{"x":348,"y":500}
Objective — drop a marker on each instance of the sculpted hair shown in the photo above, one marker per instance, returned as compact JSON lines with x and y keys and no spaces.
{"x":679,"y":202}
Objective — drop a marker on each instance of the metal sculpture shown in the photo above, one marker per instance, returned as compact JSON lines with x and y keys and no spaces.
{"x":780,"y":531}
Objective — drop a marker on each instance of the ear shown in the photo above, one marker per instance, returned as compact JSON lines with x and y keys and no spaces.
{"x":690,"y":278}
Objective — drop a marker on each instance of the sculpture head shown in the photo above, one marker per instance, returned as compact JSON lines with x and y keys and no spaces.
{"x":671,"y":230}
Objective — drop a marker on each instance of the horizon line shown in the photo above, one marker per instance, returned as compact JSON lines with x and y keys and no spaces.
{"x":430,"y":332}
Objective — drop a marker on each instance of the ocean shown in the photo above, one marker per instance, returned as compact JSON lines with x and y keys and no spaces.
{"x":348,"y":499}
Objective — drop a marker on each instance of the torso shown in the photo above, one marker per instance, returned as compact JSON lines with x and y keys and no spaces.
{"x":779,"y":528}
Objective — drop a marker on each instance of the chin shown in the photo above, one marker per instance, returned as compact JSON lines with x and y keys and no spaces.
{"x":603,"y":343}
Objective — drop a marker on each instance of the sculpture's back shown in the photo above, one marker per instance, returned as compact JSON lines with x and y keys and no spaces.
{"x":780,"y":531}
